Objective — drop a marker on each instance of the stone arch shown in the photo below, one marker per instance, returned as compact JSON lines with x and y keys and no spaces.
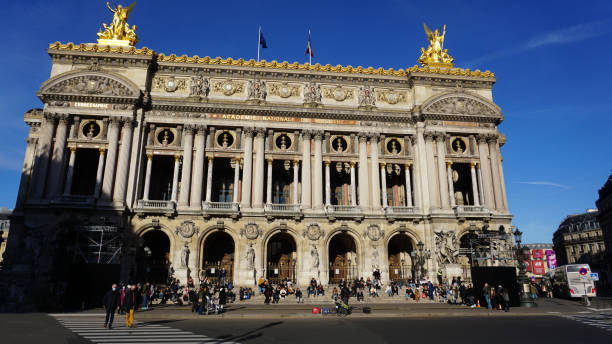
{"x":398,"y":260}
{"x":103,"y":85}
{"x":460,"y":103}
{"x":152,"y":226}
{"x":211,"y":230}
{"x":357,"y":239}
{"x":151,"y":263}
{"x":288,"y":232}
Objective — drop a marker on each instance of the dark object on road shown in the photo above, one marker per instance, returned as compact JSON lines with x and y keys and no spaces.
{"x":367,"y":310}
{"x":342,"y":309}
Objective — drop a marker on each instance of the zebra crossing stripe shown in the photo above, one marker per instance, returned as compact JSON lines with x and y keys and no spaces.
{"x":91,"y":329}
{"x":602,"y":321}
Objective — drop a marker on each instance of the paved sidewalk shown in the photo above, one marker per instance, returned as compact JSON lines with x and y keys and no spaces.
{"x":546,"y":307}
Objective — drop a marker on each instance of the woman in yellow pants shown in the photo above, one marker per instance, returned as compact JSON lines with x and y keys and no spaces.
{"x":131,"y":300}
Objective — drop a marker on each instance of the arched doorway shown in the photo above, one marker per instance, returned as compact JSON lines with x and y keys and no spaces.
{"x":469,"y":249}
{"x":218,"y":258}
{"x":400,"y":263}
{"x":281,"y":256}
{"x":155,"y":253}
{"x":342,"y":258}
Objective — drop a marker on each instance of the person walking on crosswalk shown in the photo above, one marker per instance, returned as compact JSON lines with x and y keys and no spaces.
{"x":131,"y":303}
{"x":111,"y":303}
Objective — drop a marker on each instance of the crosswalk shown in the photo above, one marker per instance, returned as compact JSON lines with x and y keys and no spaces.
{"x":601,"y":320}
{"x":90,"y":328}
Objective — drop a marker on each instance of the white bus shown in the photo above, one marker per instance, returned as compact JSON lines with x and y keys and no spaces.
{"x":569,"y":283}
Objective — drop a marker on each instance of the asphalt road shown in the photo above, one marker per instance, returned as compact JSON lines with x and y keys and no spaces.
{"x":41,"y":328}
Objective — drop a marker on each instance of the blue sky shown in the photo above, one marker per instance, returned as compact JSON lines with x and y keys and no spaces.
{"x":551,"y":59}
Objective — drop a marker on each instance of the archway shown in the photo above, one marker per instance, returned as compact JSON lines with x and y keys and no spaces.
{"x":400,"y":263}
{"x":342,"y":258}
{"x":469,"y":253}
{"x":281,"y":257}
{"x":155,"y":253}
{"x":218,"y":258}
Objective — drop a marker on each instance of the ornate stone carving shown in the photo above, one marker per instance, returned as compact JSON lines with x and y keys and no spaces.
{"x":313,"y":232}
{"x":228,"y":87}
{"x":256,"y":90}
{"x":337,"y":93}
{"x":185,"y":256}
{"x":250,"y":257}
{"x":91,"y":84}
{"x":284,"y":90}
{"x":314,"y":255}
{"x":312,"y":94}
{"x":199,"y":87}
{"x":460,"y":105}
{"x":390,"y":97}
{"x":251,"y":231}
{"x":169,"y":84}
{"x":447,"y":248}
{"x":366,"y":97}
{"x":187,"y":229}
{"x":374,"y":233}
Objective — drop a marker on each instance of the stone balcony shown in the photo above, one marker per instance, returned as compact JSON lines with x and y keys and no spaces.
{"x":472,"y":211}
{"x":230,"y":209}
{"x":344,"y":211}
{"x":76,"y":201}
{"x":155,"y":207}
{"x":400,"y":212}
{"x":283,"y":210}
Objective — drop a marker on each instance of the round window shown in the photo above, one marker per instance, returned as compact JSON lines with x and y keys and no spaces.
{"x":339,"y":144}
{"x":91,"y":129}
{"x":394,"y":147}
{"x":165,"y":137}
{"x":225,"y":139}
{"x":283,"y":142}
{"x":458,"y":145}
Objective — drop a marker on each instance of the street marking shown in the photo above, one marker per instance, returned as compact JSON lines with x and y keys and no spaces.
{"x":602,"y":321}
{"x":90,"y":327}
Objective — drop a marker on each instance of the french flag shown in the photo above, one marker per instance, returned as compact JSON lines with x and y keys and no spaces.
{"x":309,"y":47}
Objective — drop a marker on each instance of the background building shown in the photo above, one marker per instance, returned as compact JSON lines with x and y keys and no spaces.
{"x":539,"y":259}
{"x":5,"y":224}
{"x":604,"y":205}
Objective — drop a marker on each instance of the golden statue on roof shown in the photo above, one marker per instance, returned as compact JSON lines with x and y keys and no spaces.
{"x":119,"y":31}
{"x":435,"y":55}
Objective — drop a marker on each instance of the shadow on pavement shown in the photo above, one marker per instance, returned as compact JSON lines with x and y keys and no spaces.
{"x":249,"y":334}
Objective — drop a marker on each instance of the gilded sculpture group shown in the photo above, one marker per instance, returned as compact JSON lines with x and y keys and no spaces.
{"x":119,"y":31}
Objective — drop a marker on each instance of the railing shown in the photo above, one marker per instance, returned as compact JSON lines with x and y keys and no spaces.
{"x":400,"y":210}
{"x":290,"y":208}
{"x":154,"y":205}
{"x":470,"y":209}
{"x":220,"y":206}
{"x":75,"y":199}
{"x":343,"y":208}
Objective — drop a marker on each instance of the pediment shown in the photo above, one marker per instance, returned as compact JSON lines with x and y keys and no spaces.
{"x":84,"y":84}
{"x":461,"y":104}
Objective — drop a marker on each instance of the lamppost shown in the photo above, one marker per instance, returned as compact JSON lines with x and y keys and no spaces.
{"x":419,"y":257}
{"x":523,"y":282}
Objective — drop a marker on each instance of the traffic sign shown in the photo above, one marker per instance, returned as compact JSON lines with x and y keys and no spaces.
{"x":594,"y":276}
{"x":583,"y":271}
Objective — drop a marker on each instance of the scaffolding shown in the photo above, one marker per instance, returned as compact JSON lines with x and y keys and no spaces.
{"x":98,"y":244}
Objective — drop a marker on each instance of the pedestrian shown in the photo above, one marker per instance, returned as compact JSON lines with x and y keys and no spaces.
{"x":131,"y":303}
{"x":267,"y":292}
{"x":222,"y":299}
{"x":193,"y":297}
{"x":298,"y":296}
{"x":486,"y":291}
{"x":111,"y":304}
{"x":506,"y":299}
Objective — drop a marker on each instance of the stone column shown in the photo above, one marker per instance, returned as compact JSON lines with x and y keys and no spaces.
{"x":296,"y":171}
{"x":375,"y":178}
{"x":474,"y":183}
{"x":175,"y":177}
{"x":430,"y":173}
{"x":485,"y":169}
{"x":147,"y":185}
{"x":247,"y":169}
{"x":364,"y":190}
{"x":306,"y":187}
{"x":124,"y":161}
{"x":258,"y":177}
{"x":269,"y":182}
{"x":111,"y":159}
{"x":318,"y":171}
{"x":198,"y":169}
{"x":100,"y":172}
{"x":56,"y":178}
{"x":327,"y":183}
{"x":69,"y":174}
{"x":497,"y":188}
{"x":186,"y":172}
{"x":480,"y":188}
{"x":408,"y":186}
{"x":443,"y":184}
{"x":236,"y":179}
{"x":383,"y":180}
{"x":502,"y":180}
{"x":451,"y":187}
{"x":353,"y":186}
{"x":209,"y":176}
{"x":43,"y":153}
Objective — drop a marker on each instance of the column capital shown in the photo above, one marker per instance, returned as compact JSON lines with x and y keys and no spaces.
{"x":373,"y":137}
{"x":127,"y":122}
{"x":201,"y":130}
{"x":352,"y":163}
{"x":449,"y":164}
{"x":102,"y":151}
{"x":429,"y":135}
{"x":50,"y":116}
{"x":114,"y":121}
{"x":439,"y":136}
{"x":407,"y":165}
{"x":327,"y":163}
{"x":189,"y":128}
{"x":248,"y":131}
{"x":318,"y":135}
{"x":260,"y":132}
{"x":177,"y":157}
{"x":296,"y":162}
{"x":473,"y":164}
{"x":72,"y":150}
{"x":63,"y":118}
{"x":149,"y":156}
{"x":383,"y":164}
{"x":210,"y":158}
{"x":491,"y":139}
{"x":363,"y":137}
{"x":270,"y":160}
{"x":306,"y":134}
{"x":481,"y":138}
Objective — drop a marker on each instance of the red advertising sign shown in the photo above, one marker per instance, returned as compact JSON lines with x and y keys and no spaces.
{"x":528,"y":266}
{"x":539,"y":270}
{"x":537,"y":254}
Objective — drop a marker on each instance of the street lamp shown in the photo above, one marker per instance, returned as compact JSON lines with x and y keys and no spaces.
{"x":523,"y":282}
{"x":419,"y":258}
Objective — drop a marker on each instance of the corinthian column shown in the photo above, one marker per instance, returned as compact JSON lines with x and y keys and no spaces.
{"x":100,"y":172}
{"x":318,"y":171}
{"x":269,"y":182}
{"x":306,"y":187}
{"x":209,"y":176}
{"x":57,"y":163}
{"x":430,"y":174}
{"x":258,"y":179}
{"x":175,"y":176}
{"x":43,"y":153}
{"x":327,"y":183}
{"x":408,"y":186}
{"x":375,"y":178}
{"x":451,"y":187}
{"x":236,"y":179}
{"x":480,"y":187}
{"x":497,"y":187}
{"x":124,"y":161}
{"x":68,"y":184}
{"x":353,"y":186}
{"x":198,"y":169}
{"x":247,"y":170}
{"x":383,"y":180}
{"x":186,"y":172}
{"x":111,"y":159}
{"x":147,"y":185}
{"x":364,"y":190}
{"x":445,"y":196}
{"x":485,"y":169}
{"x":296,"y":169}
{"x":474,"y":183}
